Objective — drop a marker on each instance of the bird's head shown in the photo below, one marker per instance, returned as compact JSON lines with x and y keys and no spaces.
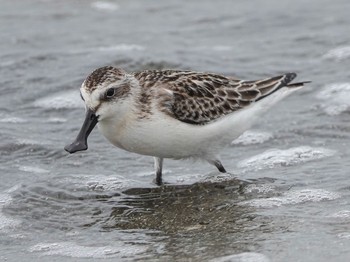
{"x":103,"y":92}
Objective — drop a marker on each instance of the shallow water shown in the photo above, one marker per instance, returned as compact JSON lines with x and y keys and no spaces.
{"x":286,"y":197}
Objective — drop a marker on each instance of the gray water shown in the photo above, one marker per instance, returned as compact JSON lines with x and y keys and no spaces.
{"x":287,"y":194}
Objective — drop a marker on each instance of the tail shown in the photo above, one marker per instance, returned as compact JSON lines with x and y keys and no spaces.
{"x":268,"y":86}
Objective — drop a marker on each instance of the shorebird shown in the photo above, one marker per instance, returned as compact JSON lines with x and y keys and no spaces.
{"x":174,"y":114}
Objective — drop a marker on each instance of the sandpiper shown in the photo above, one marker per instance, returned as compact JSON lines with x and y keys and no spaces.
{"x":174,"y":114}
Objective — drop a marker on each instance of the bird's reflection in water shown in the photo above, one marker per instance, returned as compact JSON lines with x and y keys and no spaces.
{"x":202,"y":218}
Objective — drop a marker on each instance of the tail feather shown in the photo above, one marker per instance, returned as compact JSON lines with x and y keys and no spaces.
{"x":276,"y":83}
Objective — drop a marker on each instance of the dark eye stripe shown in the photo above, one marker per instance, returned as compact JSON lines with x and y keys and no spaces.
{"x":114,"y":93}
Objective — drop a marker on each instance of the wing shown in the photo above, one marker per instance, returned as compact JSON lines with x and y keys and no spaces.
{"x":199,"y":98}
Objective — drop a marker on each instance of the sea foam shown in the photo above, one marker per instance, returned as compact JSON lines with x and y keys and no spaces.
{"x":71,"y":249}
{"x":251,"y":137}
{"x":338,"y":53}
{"x":5,"y":221}
{"x":105,"y":6}
{"x":293,"y":197}
{"x":287,"y":157}
{"x":336,"y":98}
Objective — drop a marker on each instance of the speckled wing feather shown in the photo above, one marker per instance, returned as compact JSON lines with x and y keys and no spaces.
{"x":199,"y":98}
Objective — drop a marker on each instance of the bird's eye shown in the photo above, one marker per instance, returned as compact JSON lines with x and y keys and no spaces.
{"x":110,"y":92}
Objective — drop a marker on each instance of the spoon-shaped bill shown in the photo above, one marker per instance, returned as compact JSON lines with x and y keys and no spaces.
{"x":80,"y":143}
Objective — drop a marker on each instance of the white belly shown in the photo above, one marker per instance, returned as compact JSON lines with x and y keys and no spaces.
{"x":166,"y":137}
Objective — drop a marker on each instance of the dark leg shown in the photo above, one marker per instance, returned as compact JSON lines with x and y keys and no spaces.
{"x":158,"y":165}
{"x":218,"y":165}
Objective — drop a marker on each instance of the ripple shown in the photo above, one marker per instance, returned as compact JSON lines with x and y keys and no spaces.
{"x":29,"y":142}
{"x":336,"y":98}
{"x":344,"y":235}
{"x":343,"y":214}
{"x":104,"y":6}
{"x":5,"y":200}
{"x":71,"y":249}
{"x":259,"y":189}
{"x":42,"y":206}
{"x":215,"y":48}
{"x":242,"y":257}
{"x":252,"y":137}
{"x":6,"y":222}
{"x":109,"y":183}
{"x":69,"y":99}
{"x":278,"y":157}
{"x":13,"y":120}
{"x":222,"y":48}
{"x":294,"y":197}
{"x":339,"y":53}
{"x":121,"y":47}
{"x":56,"y":120}
{"x":33,"y":169}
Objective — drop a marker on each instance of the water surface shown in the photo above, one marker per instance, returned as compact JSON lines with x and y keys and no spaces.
{"x":286,"y":197}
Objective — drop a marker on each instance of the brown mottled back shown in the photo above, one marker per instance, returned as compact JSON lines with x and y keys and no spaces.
{"x":199,"y":98}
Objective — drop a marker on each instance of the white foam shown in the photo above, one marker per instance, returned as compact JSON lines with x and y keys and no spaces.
{"x":343,"y":214}
{"x":251,"y":137}
{"x":182,"y":176}
{"x":334,"y":110}
{"x":18,"y":236}
{"x":5,"y":199}
{"x":259,"y":189}
{"x":121,"y":47}
{"x":68,"y":99}
{"x":33,"y":169}
{"x":5,"y":221}
{"x":344,"y":235}
{"x":336,"y":98}
{"x":215,"y":177}
{"x":107,"y":183}
{"x":292,"y":156}
{"x":339,"y":53}
{"x":105,"y":6}
{"x":243,"y":257}
{"x":108,"y":49}
{"x":293,"y":197}
{"x":13,"y":120}
{"x":56,"y":120}
{"x":31,"y":142}
{"x":71,"y":249}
